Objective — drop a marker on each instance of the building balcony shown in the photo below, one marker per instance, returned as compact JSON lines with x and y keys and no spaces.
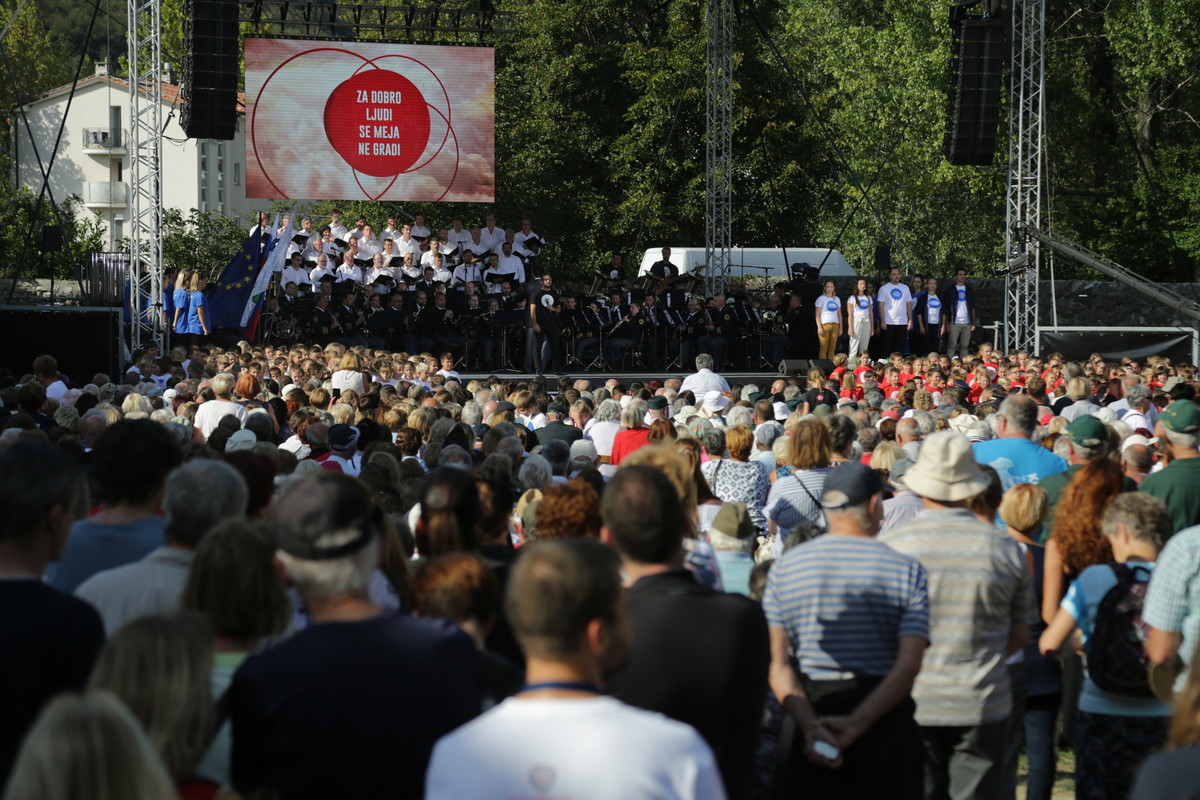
{"x":104,"y":141}
{"x":105,"y":194}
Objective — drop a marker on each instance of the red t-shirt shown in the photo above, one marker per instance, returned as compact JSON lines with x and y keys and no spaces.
{"x":627,"y":441}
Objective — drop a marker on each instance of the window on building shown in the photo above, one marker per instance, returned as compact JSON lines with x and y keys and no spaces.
{"x":237,"y":174}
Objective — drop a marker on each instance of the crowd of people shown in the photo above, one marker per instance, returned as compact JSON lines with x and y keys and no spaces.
{"x":481,"y":294}
{"x":340,"y":571}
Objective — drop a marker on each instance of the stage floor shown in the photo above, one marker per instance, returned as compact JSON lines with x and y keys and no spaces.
{"x":762,"y":379}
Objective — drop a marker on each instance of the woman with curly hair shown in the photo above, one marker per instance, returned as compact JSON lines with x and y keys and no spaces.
{"x":1076,"y":542}
{"x":569,"y":510}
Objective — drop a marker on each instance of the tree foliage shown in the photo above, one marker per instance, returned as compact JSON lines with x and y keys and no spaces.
{"x":600,"y":127}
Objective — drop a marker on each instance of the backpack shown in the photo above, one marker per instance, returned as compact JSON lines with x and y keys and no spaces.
{"x":1116,"y":658}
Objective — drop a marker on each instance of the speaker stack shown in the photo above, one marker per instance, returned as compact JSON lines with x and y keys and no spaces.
{"x":979,"y":51}
{"x":210,"y":69}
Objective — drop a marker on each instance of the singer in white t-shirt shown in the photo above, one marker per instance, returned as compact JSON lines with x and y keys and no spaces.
{"x":860,"y":318}
{"x":828,"y":316}
{"x":895,"y":304}
{"x":931,"y":321}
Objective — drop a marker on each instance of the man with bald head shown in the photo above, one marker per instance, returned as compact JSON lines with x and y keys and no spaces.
{"x":1013,"y":454}
{"x":908,"y":436}
{"x":1136,"y":459}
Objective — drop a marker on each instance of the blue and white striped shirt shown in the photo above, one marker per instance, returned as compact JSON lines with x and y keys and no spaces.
{"x":845,"y":601}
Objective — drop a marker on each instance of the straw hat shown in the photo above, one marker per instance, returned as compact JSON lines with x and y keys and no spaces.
{"x":946,"y":470}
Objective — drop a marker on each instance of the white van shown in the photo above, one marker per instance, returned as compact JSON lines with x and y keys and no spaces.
{"x":756,"y":262}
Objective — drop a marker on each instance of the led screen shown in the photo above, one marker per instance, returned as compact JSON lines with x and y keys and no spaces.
{"x":375,"y":121}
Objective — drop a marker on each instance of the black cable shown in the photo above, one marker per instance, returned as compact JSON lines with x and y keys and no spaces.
{"x":845,"y":226}
{"x":46,"y":170}
{"x":825,"y":132}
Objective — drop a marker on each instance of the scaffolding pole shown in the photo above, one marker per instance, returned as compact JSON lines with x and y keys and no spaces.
{"x":718,"y":118}
{"x":147,"y":322}
{"x":1025,"y":161}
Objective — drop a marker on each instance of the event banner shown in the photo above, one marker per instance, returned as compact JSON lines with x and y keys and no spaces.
{"x":369,"y":120}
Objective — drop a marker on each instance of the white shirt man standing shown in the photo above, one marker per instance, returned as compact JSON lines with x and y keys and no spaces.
{"x":895,"y":303}
{"x":561,"y":736}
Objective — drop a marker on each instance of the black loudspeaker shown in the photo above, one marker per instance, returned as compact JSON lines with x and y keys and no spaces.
{"x":793,"y":366}
{"x":979,"y":50}
{"x":93,"y":335}
{"x":52,"y":239}
{"x":210,"y":68}
{"x":883,"y":258}
{"x":821,"y":364}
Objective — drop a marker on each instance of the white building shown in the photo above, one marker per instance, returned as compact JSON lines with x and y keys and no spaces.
{"x":93,"y":159}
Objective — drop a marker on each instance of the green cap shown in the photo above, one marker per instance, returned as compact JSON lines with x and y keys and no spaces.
{"x":1087,"y":431}
{"x":1182,"y":416}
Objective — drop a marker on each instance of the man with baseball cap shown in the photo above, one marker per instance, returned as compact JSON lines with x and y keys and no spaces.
{"x":343,"y":455}
{"x":1172,"y":607}
{"x":980,"y":606}
{"x":352,"y":705}
{"x":1089,"y":441}
{"x":850,"y":615}
{"x":1178,"y":484}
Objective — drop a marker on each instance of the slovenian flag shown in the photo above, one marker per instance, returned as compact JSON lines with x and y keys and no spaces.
{"x":228,"y":296}
{"x":252,"y":310}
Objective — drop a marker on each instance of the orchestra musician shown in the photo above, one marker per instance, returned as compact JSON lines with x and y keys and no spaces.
{"x":350,"y":320}
{"x":722,"y":330}
{"x":321,"y":323}
{"x":421,"y":325}
{"x":693,"y":327}
{"x":447,"y":336}
{"x":628,"y":332}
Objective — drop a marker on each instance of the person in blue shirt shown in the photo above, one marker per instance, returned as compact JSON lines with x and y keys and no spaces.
{"x":179,"y":302}
{"x":197,"y":309}
{"x":1114,"y":732}
{"x":1014,"y":455}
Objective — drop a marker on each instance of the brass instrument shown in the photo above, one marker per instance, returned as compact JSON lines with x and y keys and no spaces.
{"x":774,"y":323}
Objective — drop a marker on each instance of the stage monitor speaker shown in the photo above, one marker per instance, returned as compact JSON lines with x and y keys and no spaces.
{"x":793,"y":366}
{"x":210,"y":69}
{"x":83,"y":340}
{"x":883,"y":259}
{"x":979,"y":52}
{"x":821,"y":364}
{"x":52,"y":239}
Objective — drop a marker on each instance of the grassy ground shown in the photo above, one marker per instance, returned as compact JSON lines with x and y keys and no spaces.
{"x":1064,"y":783}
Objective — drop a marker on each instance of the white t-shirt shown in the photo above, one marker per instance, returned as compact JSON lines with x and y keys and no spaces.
{"x":933,"y":310}
{"x":861,"y":305}
{"x":211,"y":412}
{"x":350,"y":379}
{"x":598,"y":748}
{"x":831,"y":309}
{"x":962,"y":315}
{"x":56,"y":390}
{"x":894,"y":298}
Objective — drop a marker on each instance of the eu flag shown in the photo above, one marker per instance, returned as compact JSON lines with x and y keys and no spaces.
{"x":228,"y":296}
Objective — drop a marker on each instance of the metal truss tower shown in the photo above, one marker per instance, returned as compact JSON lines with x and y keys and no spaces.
{"x":145,"y":174}
{"x":718,"y":118}
{"x":1025,"y":161}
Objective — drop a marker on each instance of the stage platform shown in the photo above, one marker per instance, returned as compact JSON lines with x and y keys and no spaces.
{"x":761,"y":379}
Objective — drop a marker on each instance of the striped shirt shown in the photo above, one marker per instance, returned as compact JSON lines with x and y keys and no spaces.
{"x":979,"y":589}
{"x":792,"y":500}
{"x":845,"y":601}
